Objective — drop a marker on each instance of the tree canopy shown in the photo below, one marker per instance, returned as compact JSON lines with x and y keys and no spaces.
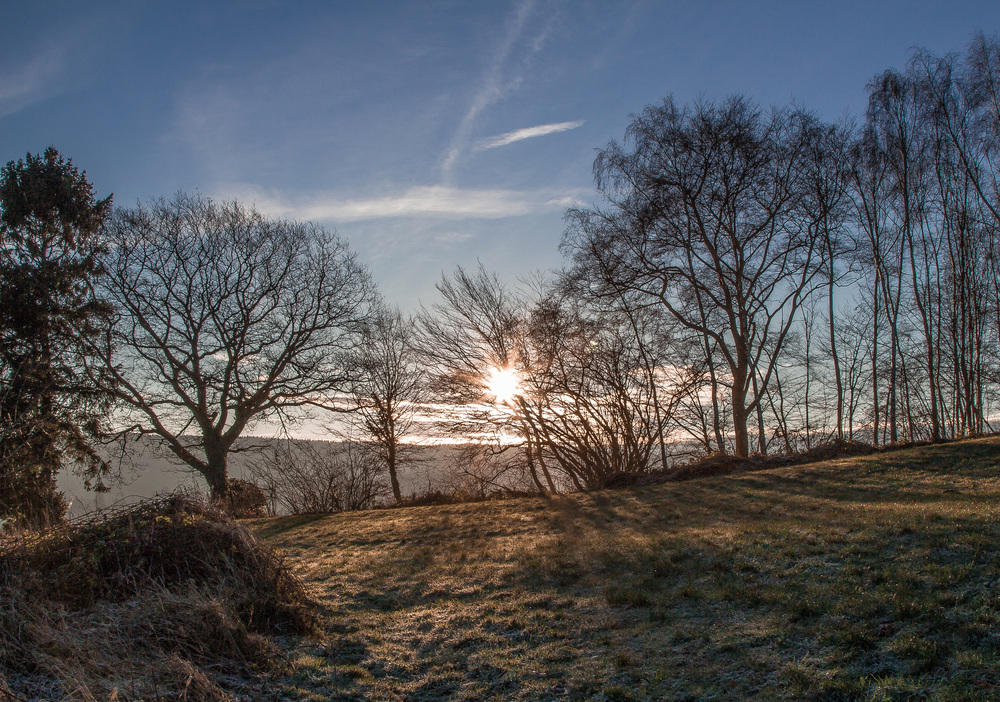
{"x":224,"y":318}
{"x":50,"y":257}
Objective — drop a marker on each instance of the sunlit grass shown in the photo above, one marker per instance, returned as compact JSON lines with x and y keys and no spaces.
{"x":870,"y":579}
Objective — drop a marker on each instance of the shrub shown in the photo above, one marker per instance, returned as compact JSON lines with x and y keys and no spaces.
{"x":246,"y":499}
{"x":311,"y":477}
{"x":151,"y":591}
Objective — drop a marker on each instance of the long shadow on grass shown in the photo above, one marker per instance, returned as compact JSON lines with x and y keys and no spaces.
{"x":279,"y":525}
{"x":830,"y":581}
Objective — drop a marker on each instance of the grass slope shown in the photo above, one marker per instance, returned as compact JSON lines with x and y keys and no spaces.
{"x":867,"y":578}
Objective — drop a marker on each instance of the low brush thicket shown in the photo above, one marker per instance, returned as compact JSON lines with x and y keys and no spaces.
{"x":169,"y":599}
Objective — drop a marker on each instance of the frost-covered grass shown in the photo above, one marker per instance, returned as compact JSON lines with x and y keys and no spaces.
{"x":873,"y":578}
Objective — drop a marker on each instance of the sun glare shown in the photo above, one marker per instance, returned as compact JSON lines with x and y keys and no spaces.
{"x":503,"y":384}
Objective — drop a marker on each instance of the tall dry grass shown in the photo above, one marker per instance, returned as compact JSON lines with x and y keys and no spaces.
{"x":162,"y":600}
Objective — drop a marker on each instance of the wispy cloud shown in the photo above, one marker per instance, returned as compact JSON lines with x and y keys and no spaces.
{"x":527,"y":133}
{"x":496,"y":81}
{"x":29,"y":82}
{"x":438,"y":201}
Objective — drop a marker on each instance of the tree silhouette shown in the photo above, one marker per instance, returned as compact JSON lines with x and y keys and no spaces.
{"x":703,"y":217}
{"x":225,"y":318}
{"x":50,"y":247}
{"x":386,"y":387}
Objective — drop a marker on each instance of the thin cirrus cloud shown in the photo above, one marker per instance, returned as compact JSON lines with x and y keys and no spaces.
{"x":527,"y":133}
{"x":423,"y":201}
{"x":29,"y":82}
{"x":504,"y":75}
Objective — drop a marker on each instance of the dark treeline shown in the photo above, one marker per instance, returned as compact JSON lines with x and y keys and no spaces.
{"x":751,"y":280}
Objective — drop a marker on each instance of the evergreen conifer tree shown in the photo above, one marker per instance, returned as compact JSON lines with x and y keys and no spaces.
{"x":50,"y":410}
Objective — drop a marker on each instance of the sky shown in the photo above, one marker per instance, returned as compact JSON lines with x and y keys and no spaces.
{"x":428,"y":134}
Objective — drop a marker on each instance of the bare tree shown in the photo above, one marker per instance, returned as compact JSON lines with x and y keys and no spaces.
{"x":386,"y":387}
{"x":898,"y":131}
{"x":226,"y":318}
{"x":961,"y":100}
{"x":881,"y":255}
{"x":598,"y":395}
{"x":474,"y":332}
{"x":589,"y":402}
{"x":826,"y":208}
{"x":925,"y":186}
{"x":854,"y":338}
{"x":703,"y":217}
{"x":964,"y":98}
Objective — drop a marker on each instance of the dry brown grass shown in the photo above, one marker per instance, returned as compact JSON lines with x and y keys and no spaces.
{"x":868,"y":578}
{"x":871,"y":578}
{"x":164,"y":600}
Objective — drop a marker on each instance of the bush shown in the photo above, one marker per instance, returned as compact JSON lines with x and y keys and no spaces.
{"x":246,"y":499}
{"x":152,"y":592}
{"x":311,"y":477}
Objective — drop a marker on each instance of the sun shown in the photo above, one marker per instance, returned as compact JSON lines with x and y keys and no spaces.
{"x":503,"y":384}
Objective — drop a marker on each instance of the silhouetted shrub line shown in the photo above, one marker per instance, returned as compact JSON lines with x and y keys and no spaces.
{"x":708,"y":466}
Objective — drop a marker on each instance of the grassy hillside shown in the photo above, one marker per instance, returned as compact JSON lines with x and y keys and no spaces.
{"x":875,"y":578}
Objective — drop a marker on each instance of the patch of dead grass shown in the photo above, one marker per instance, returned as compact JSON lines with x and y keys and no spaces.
{"x":165,"y":600}
{"x":858,"y":578}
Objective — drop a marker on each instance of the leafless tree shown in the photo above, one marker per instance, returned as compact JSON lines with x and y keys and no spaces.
{"x":961,"y":101}
{"x":598,"y":396}
{"x":225,"y":318}
{"x":964,"y":98}
{"x":703,"y":216}
{"x":590,"y":400}
{"x":386,"y":387}
{"x":925,"y":173}
{"x":900,"y":135}
{"x":472,"y":332}
{"x":826,"y":208}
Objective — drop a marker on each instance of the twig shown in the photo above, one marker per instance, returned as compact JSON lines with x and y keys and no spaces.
{"x":7,"y":694}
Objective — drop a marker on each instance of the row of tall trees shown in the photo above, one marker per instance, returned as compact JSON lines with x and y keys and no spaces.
{"x":752,"y":281}
{"x":839,"y":280}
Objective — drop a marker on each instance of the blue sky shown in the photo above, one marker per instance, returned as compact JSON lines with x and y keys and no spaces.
{"x":429,"y":134}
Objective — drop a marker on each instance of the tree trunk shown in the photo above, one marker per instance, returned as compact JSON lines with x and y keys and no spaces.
{"x":714,"y":382}
{"x":545,"y":471}
{"x":761,"y":429}
{"x":875,"y":399}
{"x":833,"y":347}
{"x":530,"y":455}
{"x":216,"y":470}
{"x":807,"y":328}
{"x":391,"y":465}
{"x":741,"y":415}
